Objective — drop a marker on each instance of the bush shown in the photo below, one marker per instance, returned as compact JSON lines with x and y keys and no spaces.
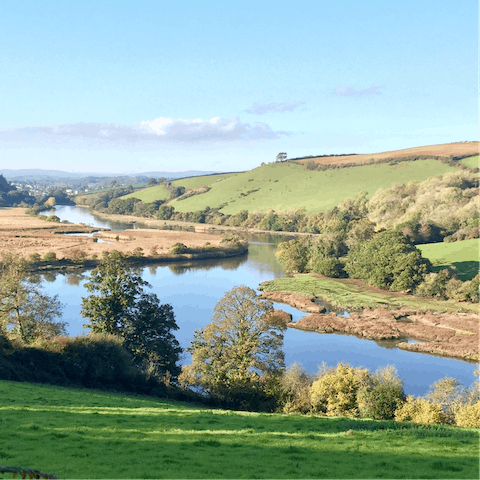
{"x":381,"y":401}
{"x":179,"y":248}
{"x":295,"y":386}
{"x":330,"y":267}
{"x":467,"y":415}
{"x":50,"y":257}
{"x":53,"y":218}
{"x":34,"y":257}
{"x":78,"y":256}
{"x":434,"y":284}
{"x":419,"y":410}
{"x":335,"y":393}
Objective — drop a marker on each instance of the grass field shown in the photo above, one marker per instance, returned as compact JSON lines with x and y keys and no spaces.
{"x":90,"y":434}
{"x":351,"y":294}
{"x":463,"y":255}
{"x":289,"y":185}
{"x":159,"y":192}
{"x":471,"y":162}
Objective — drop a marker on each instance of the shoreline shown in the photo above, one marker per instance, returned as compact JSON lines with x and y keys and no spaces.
{"x":446,"y":334}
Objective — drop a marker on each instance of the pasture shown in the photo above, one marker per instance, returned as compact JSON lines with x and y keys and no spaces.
{"x":463,"y":255}
{"x":471,"y":162}
{"x":75,"y":433}
{"x":289,"y":185}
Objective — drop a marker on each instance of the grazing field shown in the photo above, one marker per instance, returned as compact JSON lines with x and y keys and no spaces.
{"x":90,"y":434}
{"x":459,"y":149}
{"x":289,"y":185}
{"x":159,"y":192}
{"x":471,"y":162}
{"x":353,"y":294}
{"x":463,"y":255}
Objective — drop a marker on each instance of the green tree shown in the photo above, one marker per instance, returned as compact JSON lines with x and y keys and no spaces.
{"x":118,"y":305}
{"x":25,"y":310}
{"x":387,"y":261}
{"x":294,"y":255}
{"x":238,"y":356}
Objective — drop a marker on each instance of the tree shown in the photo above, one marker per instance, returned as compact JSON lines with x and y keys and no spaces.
{"x":151,"y":182}
{"x":238,"y":356}
{"x":24,"y":309}
{"x":119,"y":306}
{"x":282,"y":156}
{"x":387,"y":261}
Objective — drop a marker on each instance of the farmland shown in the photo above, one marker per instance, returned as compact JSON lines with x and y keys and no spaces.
{"x":289,"y":185}
{"x":463,"y":255}
{"x":75,"y":433}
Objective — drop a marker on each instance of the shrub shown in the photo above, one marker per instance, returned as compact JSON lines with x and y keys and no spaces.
{"x":295,"y":386}
{"x":53,"y":218}
{"x":380,"y":401}
{"x":50,"y":257}
{"x":335,"y":393}
{"x":34,"y":257}
{"x":434,"y":284}
{"x":330,"y":267}
{"x":179,"y":248}
{"x":419,"y":410}
{"x":78,"y":256}
{"x":467,"y":415}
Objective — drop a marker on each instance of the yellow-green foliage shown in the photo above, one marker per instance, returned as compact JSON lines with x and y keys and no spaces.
{"x":335,"y":392}
{"x":419,"y":410}
{"x":467,"y":415}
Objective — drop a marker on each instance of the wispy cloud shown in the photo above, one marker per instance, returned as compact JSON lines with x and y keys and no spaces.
{"x":262,"y":108}
{"x":159,"y":130}
{"x":349,"y":92}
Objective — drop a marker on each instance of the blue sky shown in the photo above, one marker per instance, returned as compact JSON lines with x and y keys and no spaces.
{"x":123,"y":86}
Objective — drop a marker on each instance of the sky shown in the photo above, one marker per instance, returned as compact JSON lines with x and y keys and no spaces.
{"x":131,"y":87}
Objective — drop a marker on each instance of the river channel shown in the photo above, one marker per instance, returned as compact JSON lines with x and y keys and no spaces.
{"x":193,"y":290}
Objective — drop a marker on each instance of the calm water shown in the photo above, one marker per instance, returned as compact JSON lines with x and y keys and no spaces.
{"x":193,"y":292}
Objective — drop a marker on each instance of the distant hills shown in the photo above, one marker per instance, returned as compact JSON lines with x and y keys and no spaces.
{"x":39,"y":175}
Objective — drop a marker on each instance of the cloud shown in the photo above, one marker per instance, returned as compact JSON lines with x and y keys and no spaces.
{"x":159,"y":130}
{"x":349,"y":92}
{"x":262,"y":108}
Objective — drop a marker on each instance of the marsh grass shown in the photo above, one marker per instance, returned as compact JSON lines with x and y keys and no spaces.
{"x":90,"y":434}
{"x":352,"y":294}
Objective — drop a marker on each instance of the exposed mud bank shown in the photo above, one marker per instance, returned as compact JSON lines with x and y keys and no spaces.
{"x":21,"y":234}
{"x":440,"y":333}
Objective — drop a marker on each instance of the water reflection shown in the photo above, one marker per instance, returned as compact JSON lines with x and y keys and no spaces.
{"x":193,"y":289}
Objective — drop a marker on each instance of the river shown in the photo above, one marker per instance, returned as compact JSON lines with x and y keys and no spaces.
{"x":194,"y":290}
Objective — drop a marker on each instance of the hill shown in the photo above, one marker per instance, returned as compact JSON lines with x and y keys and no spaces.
{"x":455,"y":150}
{"x":74,"y":433}
{"x":289,"y":185}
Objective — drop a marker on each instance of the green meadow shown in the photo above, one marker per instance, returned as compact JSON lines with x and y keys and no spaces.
{"x":75,"y":433}
{"x":464,"y":255}
{"x":159,"y":192}
{"x":352,"y":294}
{"x":288,"y":185}
{"x":471,"y":162}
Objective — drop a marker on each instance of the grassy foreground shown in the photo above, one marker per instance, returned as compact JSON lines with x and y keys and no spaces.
{"x":463,"y":255}
{"x":352,"y":294}
{"x":90,"y":434}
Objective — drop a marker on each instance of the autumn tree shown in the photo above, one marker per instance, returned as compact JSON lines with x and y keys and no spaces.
{"x":25,"y":310}
{"x":238,"y":357}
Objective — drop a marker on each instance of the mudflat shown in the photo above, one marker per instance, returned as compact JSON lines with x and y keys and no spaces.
{"x":21,"y":234}
{"x":449,"y":334}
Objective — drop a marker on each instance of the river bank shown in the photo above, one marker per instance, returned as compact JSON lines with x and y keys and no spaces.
{"x":77,"y":246}
{"x":449,"y":334}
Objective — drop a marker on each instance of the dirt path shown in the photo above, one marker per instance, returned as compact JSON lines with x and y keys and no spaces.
{"x":440,"y":333}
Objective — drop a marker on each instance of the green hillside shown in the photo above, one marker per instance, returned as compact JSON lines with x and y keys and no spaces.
{"x":471,"y":162}
{"x":74,"y":433}
{"x":289,"y":185}
{"x":463,"y":255}
{"x":159,"y":192}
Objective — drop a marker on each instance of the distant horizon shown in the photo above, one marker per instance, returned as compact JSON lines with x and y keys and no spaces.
{"x":118,"y":86}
